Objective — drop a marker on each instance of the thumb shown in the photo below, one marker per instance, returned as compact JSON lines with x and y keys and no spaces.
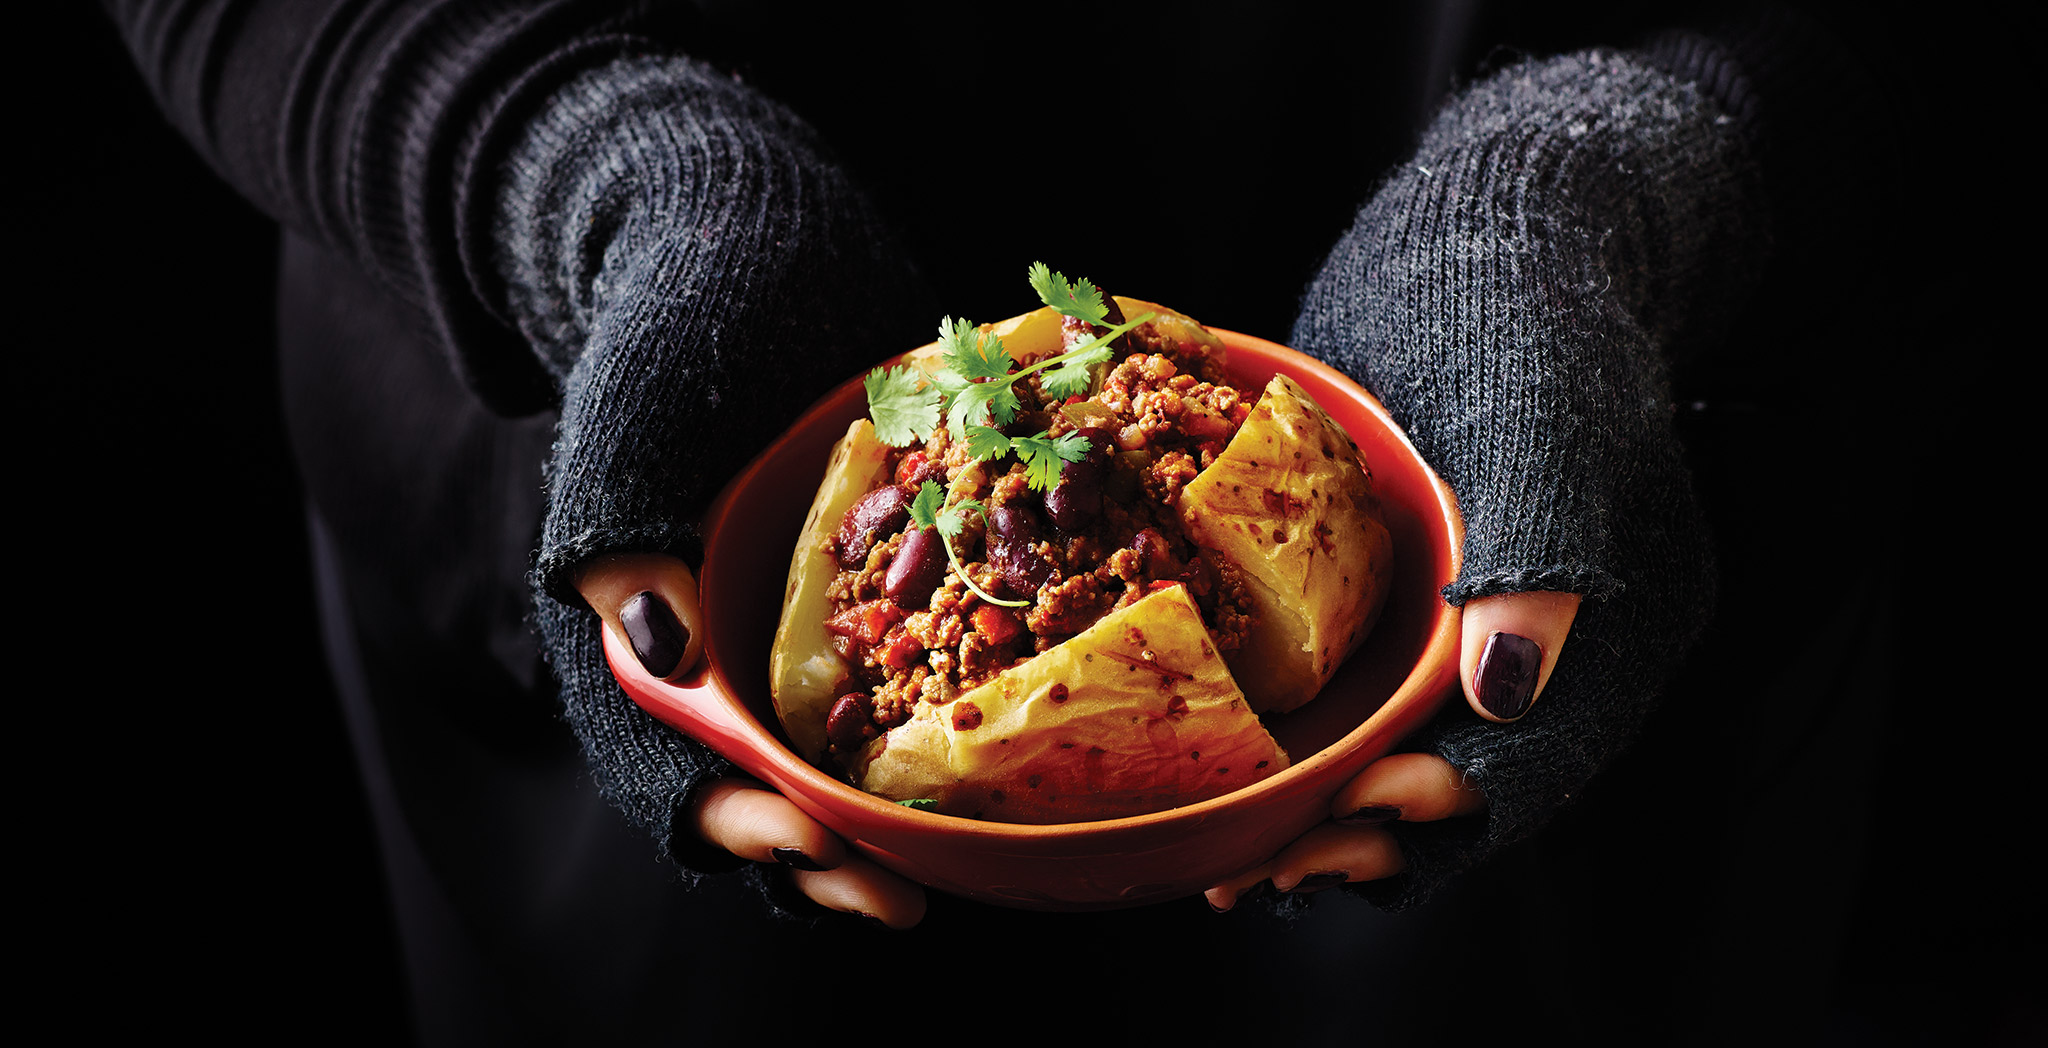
{"x":650,"y":601}
{"x":1510,"y":643}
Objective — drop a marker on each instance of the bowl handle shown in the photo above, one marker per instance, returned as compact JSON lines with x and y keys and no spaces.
{"x":694,"y":705}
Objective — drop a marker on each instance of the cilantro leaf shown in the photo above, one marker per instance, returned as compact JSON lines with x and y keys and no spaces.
{"x":1074,"y":374}
{"x":924,"y":509}
{"x":920,"y":803}
{"x":982,"y":404}
{"x":1072,"y":447}
{"x":953,"y":521}
{"x":1043,"y":472}
{"x":971,"y":354}
{"x":904,"y":410}
{"x":1044,"y":458}
{"x":949,"y":386}
{"x":987,"y":442}
{"x":1079,"y":299}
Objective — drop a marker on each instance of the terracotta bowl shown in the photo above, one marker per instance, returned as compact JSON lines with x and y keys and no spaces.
{"x":1399,"y":676}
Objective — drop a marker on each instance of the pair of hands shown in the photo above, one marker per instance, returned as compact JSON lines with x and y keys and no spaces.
{"x":650,"y":601}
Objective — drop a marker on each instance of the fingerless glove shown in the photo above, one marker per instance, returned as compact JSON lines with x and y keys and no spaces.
{"x":1513,"y":294}
{"x":694,"y":271}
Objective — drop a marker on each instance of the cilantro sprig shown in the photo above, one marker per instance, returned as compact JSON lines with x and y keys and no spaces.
{"x":975,"y":396}
{"x":929,"y":510}
{"x":1078,"y":299}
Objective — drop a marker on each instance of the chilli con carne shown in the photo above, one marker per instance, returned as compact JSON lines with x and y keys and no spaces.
{"x":1065,"y":585}
{"x":1108,"y":532}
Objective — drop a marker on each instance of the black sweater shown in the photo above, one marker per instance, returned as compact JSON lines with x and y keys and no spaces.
{"x":586,"y":220}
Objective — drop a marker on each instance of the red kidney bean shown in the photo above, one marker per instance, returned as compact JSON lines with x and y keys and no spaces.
{"x":1076,"y":500}
{"x":1160,"y":563}
{"x":919,"y":567}
{"x":851,"y":723}
{"x":877,"y":515}
{"x":1012,"y":530}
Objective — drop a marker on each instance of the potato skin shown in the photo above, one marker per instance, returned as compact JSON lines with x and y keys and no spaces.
{"x":1135,"y":714}
{"x":1290,"y":503}
{"x":804,"y":672}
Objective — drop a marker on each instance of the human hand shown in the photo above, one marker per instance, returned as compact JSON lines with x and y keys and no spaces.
{"x":761,"y":825}
{"x":1517,"y":328}
{"x":1510,"y":644}
{"x":650,"y":601}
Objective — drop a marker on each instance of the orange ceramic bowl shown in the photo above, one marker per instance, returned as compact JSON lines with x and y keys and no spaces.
{"x":1398,"y":677}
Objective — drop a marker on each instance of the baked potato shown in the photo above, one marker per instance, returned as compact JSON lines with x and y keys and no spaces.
{"x":1085,"y":663}
{"x":1291,"y":503}
{"x":1135,"y":714}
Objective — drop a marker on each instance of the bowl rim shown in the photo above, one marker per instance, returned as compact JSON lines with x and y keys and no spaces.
{"x":783,"y":768}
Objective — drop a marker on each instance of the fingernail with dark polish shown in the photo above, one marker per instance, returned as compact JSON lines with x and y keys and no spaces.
{"x":1371,"y":815}
{"x":1316,"y":882}
{"x":1256,"y":891}
{"x":795,"y":859}
{"x":658,"y":638}
{"x":1506,"y":677}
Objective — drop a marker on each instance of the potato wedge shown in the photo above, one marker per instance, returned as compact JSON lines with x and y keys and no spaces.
{"x":804,"y":670}
{"x":1136,"y":714}
{"x":1291,"y":504}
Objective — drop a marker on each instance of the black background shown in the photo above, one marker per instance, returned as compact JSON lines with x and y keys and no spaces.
{"x":203,"y":856}
{"x":197,"y":840}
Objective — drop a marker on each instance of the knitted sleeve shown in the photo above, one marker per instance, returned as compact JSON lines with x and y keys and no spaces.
{"x":1512,"y":294}
{"x":694,"y":271}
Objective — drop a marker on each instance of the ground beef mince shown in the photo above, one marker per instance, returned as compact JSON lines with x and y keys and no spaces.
{"x":1107,"y":534}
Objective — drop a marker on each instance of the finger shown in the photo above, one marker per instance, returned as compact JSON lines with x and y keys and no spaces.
{"x":764,"y":826}
{"x":650,"y":601}
{"x":1330,"y":855}
{"x":859,"y":886}
{"x":1322,"y":858}
{"x":1411,"y":787}
{"x":1510,"y":643}
{"x":1242,"y":888}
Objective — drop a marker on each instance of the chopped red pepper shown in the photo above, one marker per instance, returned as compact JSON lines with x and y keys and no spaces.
{"x":866,"y":622}
{"x":902,"y":651}
{"x":910,"y":469}
{"x":999,"y":624}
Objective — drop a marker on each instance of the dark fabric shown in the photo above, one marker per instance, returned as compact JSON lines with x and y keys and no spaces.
{"x":368,"y":126}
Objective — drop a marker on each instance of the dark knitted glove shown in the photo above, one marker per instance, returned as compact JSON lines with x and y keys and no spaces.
{"x":695,"y":272}
{"x":1511,"y":294}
